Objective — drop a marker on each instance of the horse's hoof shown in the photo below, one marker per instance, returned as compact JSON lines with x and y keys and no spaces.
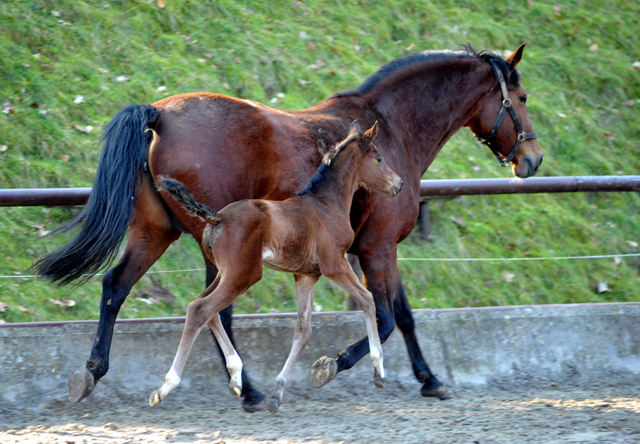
{"x":435,"y":390}
{"x":323,"y":371}
{"x":274,"y":405}
{"x":235,"y":390}
{"x":155,"y":398}
{"x":80,"y":384}
{"x":255,"y":405}
{"x":378,"y":381}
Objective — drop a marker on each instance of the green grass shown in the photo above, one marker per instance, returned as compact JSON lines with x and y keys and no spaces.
{"x":577,"y":67}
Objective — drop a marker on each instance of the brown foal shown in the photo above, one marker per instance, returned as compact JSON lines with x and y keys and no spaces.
{"x":307,"y":235}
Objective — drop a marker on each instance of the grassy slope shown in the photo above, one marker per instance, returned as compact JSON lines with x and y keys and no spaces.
{"x":583,"y":101}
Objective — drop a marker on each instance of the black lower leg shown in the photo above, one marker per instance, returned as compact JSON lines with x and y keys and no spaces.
{"x":113,"y":297}
{"x":404,"y":319}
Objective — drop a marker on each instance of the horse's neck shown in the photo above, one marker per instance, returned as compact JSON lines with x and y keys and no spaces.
{"x":425,"y":111}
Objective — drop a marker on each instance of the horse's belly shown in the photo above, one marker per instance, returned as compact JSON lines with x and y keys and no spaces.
{"x":280,"y":262}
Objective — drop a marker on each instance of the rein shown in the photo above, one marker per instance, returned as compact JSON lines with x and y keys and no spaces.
{"x":506,"y":105}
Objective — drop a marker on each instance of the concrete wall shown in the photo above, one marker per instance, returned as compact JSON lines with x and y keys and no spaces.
{"x":505,"y":345}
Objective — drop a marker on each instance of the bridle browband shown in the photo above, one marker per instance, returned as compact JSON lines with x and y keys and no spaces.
{"x":506,"y":105}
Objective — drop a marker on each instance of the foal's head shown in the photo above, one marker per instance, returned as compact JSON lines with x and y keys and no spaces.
{"x":372,"y":171}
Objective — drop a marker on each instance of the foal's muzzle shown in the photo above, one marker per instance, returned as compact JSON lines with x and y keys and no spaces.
{"x":396,"y":186}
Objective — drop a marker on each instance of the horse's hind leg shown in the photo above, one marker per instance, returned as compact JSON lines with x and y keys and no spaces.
{"x":431,"y":386}
{"x":253,"y":399}
{"x":150,"y":235}
{"x":305,"y":286}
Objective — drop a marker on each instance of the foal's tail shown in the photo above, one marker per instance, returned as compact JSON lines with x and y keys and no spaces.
{"x":183,"y":196}
{"x":110,"y":208}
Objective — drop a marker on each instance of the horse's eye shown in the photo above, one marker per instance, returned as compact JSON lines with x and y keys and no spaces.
{"x":379,"y":159}
{"x":523,"y":99}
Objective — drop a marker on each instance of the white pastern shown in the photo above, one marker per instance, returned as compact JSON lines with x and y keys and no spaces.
{"x":171,"y":381}
{"x":234,"y":365}
{"x":376,"y":359}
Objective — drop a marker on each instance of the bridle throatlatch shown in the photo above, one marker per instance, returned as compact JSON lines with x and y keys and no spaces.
{"x":506,"y":105}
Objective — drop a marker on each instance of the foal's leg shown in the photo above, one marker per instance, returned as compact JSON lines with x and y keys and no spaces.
{"x":324,"y":371}
{"x":305,"y":287}
{"x":196,"y":318}
{"x":253,"y":399}
{"x":379,"y":269}
{"x":232,"y":359}
{"x":221,"y":293}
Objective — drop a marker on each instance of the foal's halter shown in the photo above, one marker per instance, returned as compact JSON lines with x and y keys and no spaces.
{"x":506,"y":105}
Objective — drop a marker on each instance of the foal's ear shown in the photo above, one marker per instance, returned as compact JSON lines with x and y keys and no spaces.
{"x":355,"y":129}
{"x":369,"y":135}
{"x":515,"y":57}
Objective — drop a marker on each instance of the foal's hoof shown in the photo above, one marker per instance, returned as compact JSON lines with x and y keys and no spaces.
{"x":274,"y":405}
{"x":155,"y":398}
{"x":80,"y":385}
{"x":323,"y":370}
{"x":378,"y":381}
{"x":235,"y":390}
{"x":435,"y":390}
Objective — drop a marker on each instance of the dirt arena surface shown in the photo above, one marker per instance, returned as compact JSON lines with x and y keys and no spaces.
{"x":342,"y":411}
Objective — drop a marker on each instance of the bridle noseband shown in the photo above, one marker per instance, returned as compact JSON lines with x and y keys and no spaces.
{"x":506,"y":105}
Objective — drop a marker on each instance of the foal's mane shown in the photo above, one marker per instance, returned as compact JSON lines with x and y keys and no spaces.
{"x":327,"y":161}
{"x":429,"y":57}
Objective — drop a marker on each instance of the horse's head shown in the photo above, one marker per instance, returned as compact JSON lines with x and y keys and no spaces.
{"x":502,"y":120}
{"x":374,"y":173}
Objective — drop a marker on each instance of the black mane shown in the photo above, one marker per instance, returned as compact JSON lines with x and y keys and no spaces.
{"x":325,"y":169}
{"x":423,"y":57}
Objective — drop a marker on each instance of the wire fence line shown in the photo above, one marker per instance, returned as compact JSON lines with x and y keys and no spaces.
{"x":407,"y":259}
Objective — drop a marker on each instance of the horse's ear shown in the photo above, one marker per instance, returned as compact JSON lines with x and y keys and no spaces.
{"x":369,"y":135}
{"x":515,"y":57}
{"x":355,"y":129}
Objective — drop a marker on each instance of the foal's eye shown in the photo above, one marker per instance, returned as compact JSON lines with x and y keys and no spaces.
{"x":523,"y":99}
{"x":379,"y":159}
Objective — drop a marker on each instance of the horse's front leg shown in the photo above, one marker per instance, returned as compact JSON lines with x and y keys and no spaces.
{"x":380,"y":273}
{"x":139,"y":255}
{"x":305,"y":287}
{"x":431,"y":386}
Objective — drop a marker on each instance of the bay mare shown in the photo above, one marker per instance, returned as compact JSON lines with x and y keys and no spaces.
{"x":307,"y":235}
{"x":226,"y":149}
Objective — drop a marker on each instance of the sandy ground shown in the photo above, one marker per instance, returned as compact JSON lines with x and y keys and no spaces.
{"x":342,"y":411}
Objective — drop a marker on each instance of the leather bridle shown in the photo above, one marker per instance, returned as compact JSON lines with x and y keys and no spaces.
{"x":506,"y":106}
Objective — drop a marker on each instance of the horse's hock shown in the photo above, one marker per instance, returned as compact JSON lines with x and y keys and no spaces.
{"x":565,"y":344}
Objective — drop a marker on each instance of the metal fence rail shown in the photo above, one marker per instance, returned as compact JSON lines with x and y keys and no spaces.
{"x":458,"y":187}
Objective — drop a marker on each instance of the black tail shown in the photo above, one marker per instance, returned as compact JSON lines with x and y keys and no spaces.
{"x":106,"y":217}
{"x":183,"y":196}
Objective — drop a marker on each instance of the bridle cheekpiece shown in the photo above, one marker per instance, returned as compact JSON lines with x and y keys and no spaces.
{"x":506,"y":105}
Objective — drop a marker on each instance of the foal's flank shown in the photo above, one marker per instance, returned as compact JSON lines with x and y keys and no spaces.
{"x":307,"y":235}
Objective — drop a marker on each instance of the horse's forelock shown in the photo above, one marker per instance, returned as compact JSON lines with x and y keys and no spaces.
{"x":499,"y":63}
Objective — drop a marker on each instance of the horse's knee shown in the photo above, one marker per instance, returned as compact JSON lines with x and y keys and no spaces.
{"x":197,"y":314}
